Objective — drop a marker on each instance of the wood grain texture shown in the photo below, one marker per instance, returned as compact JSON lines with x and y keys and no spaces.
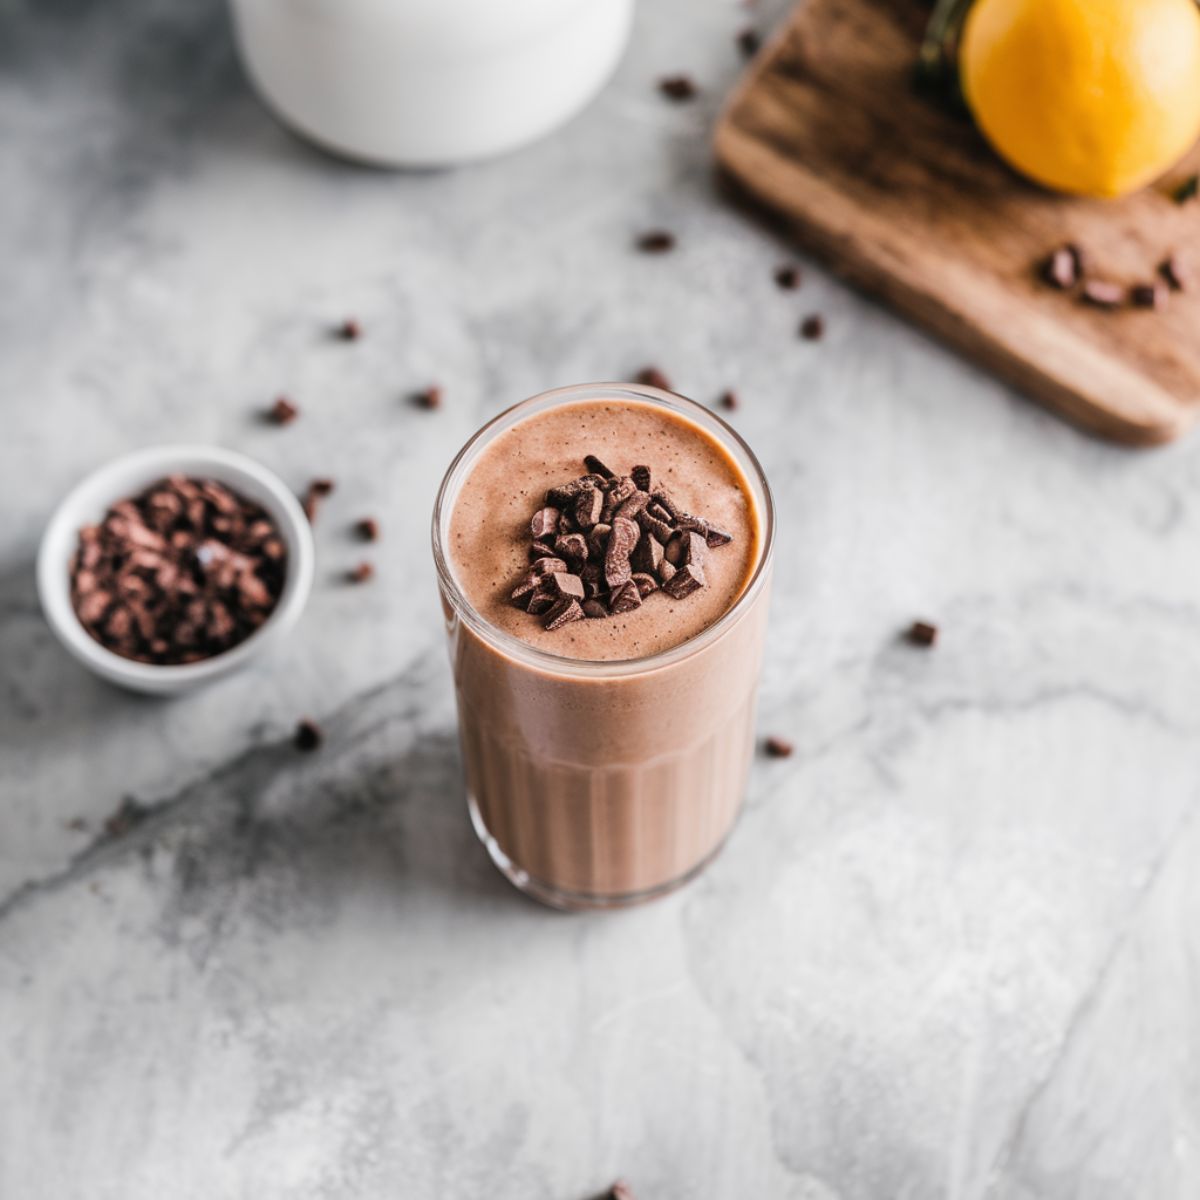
{"x":908,"y":202}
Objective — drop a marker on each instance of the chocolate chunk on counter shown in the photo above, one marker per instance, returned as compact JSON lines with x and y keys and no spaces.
{"x":653,"y":377}
{"x":923,"y":633}
{"x":777,"y":747}
{"x":308,"y":735}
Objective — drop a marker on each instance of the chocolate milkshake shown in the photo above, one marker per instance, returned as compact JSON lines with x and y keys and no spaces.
{"x":604,"y":556}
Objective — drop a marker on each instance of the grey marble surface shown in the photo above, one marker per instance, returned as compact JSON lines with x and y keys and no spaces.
{"x":952,"y":949}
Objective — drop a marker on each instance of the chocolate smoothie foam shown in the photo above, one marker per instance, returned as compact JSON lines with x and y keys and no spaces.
{"x":605,"y":756}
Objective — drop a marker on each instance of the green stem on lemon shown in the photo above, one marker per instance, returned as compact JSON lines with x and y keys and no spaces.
{"x":937,"y":59}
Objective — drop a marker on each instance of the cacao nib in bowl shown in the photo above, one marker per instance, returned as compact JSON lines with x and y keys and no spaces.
{"x":245,"y":552}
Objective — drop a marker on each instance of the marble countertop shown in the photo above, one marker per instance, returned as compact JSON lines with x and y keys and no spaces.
{"x":951,"y":950}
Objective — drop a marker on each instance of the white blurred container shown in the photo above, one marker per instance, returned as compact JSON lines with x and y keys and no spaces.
{"x":428,"y":82}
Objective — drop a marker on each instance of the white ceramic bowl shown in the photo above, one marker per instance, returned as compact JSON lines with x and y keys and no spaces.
{"x":125,"y":477}
{"x":424,"y":83}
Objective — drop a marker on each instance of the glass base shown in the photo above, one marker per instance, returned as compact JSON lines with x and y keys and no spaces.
{"x":570,"y":901}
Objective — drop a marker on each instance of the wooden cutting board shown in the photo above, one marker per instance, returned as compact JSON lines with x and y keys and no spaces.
{"x":906,"y":200}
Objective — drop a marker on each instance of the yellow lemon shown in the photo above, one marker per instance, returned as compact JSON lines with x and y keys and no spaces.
{"x":1091,"y":96}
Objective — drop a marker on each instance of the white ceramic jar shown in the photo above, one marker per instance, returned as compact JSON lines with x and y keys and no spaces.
{"x":428,"y":82}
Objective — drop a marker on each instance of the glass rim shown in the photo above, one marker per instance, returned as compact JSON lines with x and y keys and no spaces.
{"x":563,"y":664}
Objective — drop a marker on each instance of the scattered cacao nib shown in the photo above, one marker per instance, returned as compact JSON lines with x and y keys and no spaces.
{"x":363,"y":573}
{"x":367,"y":529}
{"x":563,"y":612}
{"x":283,"y":411}
{"x":128,"y":816}
{"x":787,"y":277}
{"x":656,"y":241}
{"x":603,"y":542}
{"x":1061,"y":268}
{"x":1148,"y":295}
{"x":653,"y":377}
{"x":677,"y":87}
{"x":430,"y":398}
{"x":317,"y":491}
{"x":185,"y":570}
{"x":749,"y":41}
{"x":1187,"y":190}
{"x":729,"y":401}
{"x":922,"y":633}
{"x":349,"y":330}
{"x":1100,"y":293}
{"x":1174,"y":272}
{"x":777,"y":747}
{"x":812,"y":328}
{"x":308,"y":735}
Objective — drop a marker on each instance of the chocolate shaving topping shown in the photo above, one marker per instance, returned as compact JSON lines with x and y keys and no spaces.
{"x":602,"y":543}
{"x":544,"y":523}
{"x":687,"y":579}
{"x":571,"y":546}
{"x":589,"y":504}
{"x":621,"y":543}
{"x":625,"y":598}
{"x":645,"y":583}
{"x":563,"y":613}
{"x":562,"y":583}
{"x":308,"y":735}
{"x":596,"y":467}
